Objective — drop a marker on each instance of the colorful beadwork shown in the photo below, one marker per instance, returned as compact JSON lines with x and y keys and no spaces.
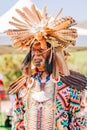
{"x":65,"y":114}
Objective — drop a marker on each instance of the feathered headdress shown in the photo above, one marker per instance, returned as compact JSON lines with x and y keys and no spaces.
{"x":38,"y":26}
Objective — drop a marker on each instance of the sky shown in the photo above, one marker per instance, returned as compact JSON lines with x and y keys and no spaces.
{"x":74,"y":8}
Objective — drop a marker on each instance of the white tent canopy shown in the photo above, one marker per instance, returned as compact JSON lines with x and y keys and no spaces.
{"x":5,"y":18}
{"x":81,"y":31}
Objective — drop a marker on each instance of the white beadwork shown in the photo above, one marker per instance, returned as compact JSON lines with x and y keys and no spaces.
{"x":41,"y":96}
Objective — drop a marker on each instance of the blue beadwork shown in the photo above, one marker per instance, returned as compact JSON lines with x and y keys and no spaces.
{"x":59,"y":83}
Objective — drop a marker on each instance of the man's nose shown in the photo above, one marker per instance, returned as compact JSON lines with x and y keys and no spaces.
{"x":36,"y":52}
{"x":36,"y":55}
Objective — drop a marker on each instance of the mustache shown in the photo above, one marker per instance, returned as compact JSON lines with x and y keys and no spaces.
{"x":38,"y":62}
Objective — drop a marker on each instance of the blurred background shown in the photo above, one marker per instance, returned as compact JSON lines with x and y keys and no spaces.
{"x":11,"y":58}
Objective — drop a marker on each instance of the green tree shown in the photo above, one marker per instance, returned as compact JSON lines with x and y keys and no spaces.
{"x":10,"y":67}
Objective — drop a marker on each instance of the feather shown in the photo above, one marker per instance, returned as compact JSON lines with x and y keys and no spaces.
{"x":17,"y":87}
{"x":12,"y":32}
{"x":63,"y":25}
{"x":23,"y":36}
{"x":75,"y":80}
{"x":44,"y":14}
{"x":54,"y":66}
{"x":17,"y":81}
{"x":39,"y":15}
{"x":68,"y":33}
{"x":63,"y":68}
{"x":23,"y":16}
{"x":35,"y":13}
{"x":17,"y":44}
{"x":56,"y":31}
{"x":23,"y":27}
{"x":58,"y":15}
{"x":57,"y":67}
{"x":19,"y":21}
{"x":20,"y":37}
{"x":31,"y":16}
{"x":50,"y":59}
{"x":65,"y":42}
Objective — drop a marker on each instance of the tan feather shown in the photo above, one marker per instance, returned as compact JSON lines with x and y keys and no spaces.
{"x":11,"y":32}
{"x":50,"y":59}
{"x":63,"y":68}
{"x":14,"y":86}
{"x":17,"y":87}
{"x":63,"y":36}
{"x":21,"y":41}
{"x":58,"y":15}
{"x":66,"y":37}
{"x":68,"y":32}
{"x":31,"y":16}
{"x":56,"y":67}
{"x":23,"y":27}
{"x":17,"y":44}
{"x":22,"y":14}
{"x":17,"y":81}
{"x":39,"y":15}
{"x":65,"y":42}
{"x":64,"y":22}
{"x":19,"y":21}
{"x":35,"y":13}
{"x":63,"y":25}
{"x":24,"y":35}
{"x":44,"y":13}
{"x":53,"y":30}
{"x":20,"y":36}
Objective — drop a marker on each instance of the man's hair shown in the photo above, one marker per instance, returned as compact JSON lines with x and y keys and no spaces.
{"x":49,"y":66}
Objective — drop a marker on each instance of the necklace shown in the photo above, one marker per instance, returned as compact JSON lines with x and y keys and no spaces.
{"x":41,"y":97}
{"x":43,"y":82}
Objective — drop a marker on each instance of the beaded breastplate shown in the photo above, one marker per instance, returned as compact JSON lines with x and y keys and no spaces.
{"x":40,"y":104}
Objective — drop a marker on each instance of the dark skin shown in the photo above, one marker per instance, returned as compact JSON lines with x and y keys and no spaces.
{"x":38,"y":57}
{"x":39,"y":54}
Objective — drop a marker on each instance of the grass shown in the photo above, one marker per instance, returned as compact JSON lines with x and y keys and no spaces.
{"x":1,"y":128}
{"x":2,"y":122}
{"x":78,"y":61}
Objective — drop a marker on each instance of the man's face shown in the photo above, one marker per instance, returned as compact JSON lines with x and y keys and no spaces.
{"x":39,"y":55}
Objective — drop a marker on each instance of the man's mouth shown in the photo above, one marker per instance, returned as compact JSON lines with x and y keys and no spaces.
{"x":37,"y":62}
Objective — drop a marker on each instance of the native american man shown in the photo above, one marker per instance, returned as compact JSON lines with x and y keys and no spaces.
{"x":48,"y":94}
